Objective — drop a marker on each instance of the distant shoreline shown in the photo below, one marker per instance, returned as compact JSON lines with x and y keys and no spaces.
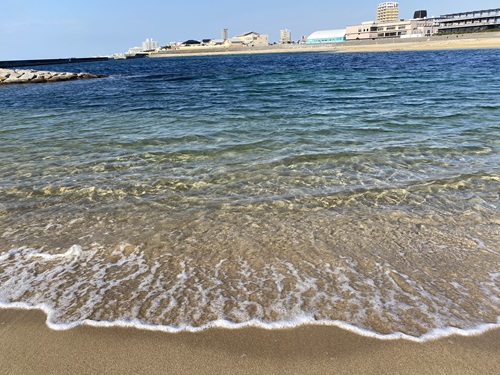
{"x":458,"y":41}
{"x":436,"y":42}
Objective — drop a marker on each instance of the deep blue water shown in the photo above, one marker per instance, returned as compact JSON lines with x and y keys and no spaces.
{"x":292,"y":158}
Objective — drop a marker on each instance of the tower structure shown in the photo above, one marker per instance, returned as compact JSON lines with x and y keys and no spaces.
{"x":149,"y":44}
{"x":225,"y":34}
{"x":285,"y":36}
{"x":388,"y":12}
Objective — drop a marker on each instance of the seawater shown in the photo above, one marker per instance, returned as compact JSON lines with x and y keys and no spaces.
{"x":360,"y":190}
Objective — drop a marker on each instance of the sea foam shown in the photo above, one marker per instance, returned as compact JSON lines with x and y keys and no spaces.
{"x":59,"y":289}
{"x":435,"y":334}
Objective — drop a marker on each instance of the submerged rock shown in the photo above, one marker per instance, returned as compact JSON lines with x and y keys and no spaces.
{"x":13,"y":76}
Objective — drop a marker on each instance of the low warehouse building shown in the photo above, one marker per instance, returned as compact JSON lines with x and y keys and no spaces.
{"x":254,"y":39}
{"x":326,"y":36}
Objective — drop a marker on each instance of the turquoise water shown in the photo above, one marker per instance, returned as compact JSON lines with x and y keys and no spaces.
{"x":355,"y":189}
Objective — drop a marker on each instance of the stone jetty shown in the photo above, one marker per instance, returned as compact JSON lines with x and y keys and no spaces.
{"x":14,"y":76}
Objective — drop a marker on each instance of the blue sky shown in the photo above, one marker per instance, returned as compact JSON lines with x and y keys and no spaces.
{"x":65,"y":28}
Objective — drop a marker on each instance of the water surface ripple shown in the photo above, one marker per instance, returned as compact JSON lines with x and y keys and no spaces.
{"x":352,"y":189}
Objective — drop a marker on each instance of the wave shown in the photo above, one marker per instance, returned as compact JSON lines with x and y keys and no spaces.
{"x":369,"y":286}
{"x":435,"y":334}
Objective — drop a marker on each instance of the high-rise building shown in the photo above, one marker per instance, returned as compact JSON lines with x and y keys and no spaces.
{"x":225,"y":34}
{"x":388,"y":12}
{"x":149,"y":45}
{"x":285,"y":36}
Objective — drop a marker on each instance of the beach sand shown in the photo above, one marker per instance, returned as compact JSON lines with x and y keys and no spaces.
{"x":29,"y":347}
{"x":426,"y":44}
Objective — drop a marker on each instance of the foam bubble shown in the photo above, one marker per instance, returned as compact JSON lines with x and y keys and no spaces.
{"x":72,"y":252}
{"x":218,"y":279}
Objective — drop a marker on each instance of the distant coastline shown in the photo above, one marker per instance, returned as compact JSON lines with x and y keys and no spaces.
{"x":454,"y":41}
{"x":436,"y":42}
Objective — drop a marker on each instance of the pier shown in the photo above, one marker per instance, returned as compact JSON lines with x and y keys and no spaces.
{"x":23,"y":63}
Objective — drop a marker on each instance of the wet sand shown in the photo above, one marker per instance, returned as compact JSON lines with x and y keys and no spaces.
{"x":29,"y":347}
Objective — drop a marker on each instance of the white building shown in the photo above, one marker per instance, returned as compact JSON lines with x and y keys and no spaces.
{"x":388,"y":12}
{"x":398,"y":29}
{"x":285,"y":36}
{"x":149,"y":45}
{"x":366,"y":30}
{"x":253,"y":39}
{"x":134,"y":50}
{"x":477,"y":20}
{"x":326,"y":36}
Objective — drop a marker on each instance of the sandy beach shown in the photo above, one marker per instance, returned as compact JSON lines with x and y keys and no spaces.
{"x":29,"y":347}
{"x":422,"y":44}
{"x":460,"y":41}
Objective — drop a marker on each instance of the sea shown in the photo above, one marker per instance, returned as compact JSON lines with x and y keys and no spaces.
{"x":360,"y":190}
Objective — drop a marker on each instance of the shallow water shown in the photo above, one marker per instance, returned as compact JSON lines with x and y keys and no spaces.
{"x":356,"y":189}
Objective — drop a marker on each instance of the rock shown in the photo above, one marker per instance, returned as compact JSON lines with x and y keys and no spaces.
{"x":87,"y":76}
{"x":27,"y":76}
{"x":10,"y":76}
{"x":57,"y":78}
{"x":43,"y":77}
{"x":38,"y":79}
{"x":5,"y":73}
{"x":11,"y":79}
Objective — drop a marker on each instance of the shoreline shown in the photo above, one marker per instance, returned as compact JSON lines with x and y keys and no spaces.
{"x":434,"y":334}
{"x":30,"y":347}
{"x":462,"y":41}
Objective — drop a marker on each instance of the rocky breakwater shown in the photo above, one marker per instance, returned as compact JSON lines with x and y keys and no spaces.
{"x":14,"y":76}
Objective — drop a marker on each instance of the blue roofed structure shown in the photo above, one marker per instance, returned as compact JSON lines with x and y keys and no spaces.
{"x":327,"y":36}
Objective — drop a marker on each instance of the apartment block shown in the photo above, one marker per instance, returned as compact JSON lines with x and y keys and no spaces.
{"x":388,"y":12}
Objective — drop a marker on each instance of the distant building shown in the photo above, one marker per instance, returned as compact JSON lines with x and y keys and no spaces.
{"x":477,"y":20}
{"x":387,"y":12}
{"x":134,"y":50}
{"x":191,"y":42}
{"x":420,"y":25}
{"x":206,"y":43}
{"x":225,"y":34}
{"x":424,"y":27}
{"x":219,"y":43}
{"x":253,"y":39}
{"x":420,"y":14}
{"x":285,"y":36}
{"x":326,"y":36}
{"x":398,"y":29}
{"x":236,"y":42}
{"x":366,"y":30}
{"x":149,"y":45}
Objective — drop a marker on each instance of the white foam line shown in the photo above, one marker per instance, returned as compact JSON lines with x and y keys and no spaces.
{"x":481,"y":245}
{"x":434,"y":334}
{"x":73,"y":251}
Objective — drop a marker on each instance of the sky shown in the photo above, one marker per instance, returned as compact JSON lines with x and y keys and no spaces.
{"x":37,"y":29}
